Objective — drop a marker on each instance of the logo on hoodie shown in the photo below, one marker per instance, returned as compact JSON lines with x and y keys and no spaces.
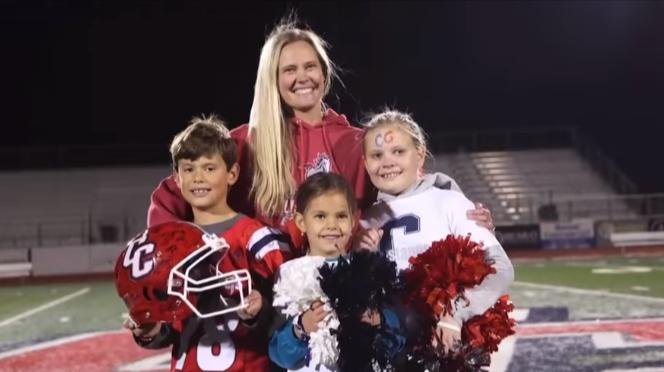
{"x":322,"y":163}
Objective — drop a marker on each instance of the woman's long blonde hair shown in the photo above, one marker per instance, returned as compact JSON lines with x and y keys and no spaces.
{"x":273,"y":182}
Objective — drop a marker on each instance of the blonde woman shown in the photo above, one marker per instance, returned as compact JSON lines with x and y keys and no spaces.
{"x":291,"y":135}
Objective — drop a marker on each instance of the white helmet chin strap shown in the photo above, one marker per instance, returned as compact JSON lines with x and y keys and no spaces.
{"x":182,"y":284}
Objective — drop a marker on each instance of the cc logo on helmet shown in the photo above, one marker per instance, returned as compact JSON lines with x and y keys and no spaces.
{"x":138,"y":256}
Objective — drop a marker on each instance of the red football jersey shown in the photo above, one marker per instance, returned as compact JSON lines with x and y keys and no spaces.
{"x":254,"y":246}
{"x":222,"y":343}
{"x":225,"y":343}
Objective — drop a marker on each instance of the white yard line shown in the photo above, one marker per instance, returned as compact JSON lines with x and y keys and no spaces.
{"x":57,"y":342}
{"x":571,"y":323}
{"x":45,"y":306}
{"x":591,"y":292}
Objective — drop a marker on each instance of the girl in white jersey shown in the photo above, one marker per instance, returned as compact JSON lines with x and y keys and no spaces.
{"x":415,"y":209}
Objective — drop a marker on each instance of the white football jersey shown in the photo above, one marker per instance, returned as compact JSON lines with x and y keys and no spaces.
{"x":410,"y":223}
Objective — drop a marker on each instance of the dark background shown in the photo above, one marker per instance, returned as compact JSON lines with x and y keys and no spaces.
{"x":130,"y":73}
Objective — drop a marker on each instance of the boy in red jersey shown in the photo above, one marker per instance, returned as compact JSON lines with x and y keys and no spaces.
{"x":205,"y":167}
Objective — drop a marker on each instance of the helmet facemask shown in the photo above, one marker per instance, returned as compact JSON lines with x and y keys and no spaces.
{"x":198,"y":276}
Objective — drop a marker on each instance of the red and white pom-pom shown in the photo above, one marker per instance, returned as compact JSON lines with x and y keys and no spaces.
{"x":439,"y":275}
{"x":486,"y":331}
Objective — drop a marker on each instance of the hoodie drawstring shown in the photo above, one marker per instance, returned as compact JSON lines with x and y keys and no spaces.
{"x":328,"y":147}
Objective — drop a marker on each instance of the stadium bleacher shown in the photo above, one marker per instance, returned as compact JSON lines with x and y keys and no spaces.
{"x":75,"y":206}
{"x":516,"y":184}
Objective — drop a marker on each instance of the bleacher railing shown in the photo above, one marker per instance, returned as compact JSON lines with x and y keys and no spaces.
{"x":525,"y":208}
{"x":75,"y":231}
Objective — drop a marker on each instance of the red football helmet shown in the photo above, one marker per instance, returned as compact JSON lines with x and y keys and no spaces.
{"x":165,"y":270}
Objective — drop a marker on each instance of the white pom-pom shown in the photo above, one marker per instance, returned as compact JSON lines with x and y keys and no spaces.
{"x":297,"y":288}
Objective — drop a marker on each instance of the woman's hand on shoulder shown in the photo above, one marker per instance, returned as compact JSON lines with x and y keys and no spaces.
{"x":482,"y":216}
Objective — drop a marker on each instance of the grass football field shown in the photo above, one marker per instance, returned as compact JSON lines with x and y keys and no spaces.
{"x":599,"y":289}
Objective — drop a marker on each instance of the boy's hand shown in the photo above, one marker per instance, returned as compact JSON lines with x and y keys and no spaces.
{"x":447,"y":335}
{"x":482,"y":216}
{"x":146,"y":330}
{"x":368,"y":238}
{"x":313,"y":316}
{"x":254,"y":304}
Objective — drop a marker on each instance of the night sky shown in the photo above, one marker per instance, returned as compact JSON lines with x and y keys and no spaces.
{"x":135,"y":72}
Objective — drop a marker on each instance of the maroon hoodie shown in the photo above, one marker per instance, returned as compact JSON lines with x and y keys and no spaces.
{"x":334,"y":145}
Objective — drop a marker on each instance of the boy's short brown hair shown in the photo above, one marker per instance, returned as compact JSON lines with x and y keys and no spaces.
{"x":204,"y":136}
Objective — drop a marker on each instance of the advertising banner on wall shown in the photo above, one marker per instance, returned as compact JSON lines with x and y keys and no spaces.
{"x":578,"y":233}
{"x":519,"y":236}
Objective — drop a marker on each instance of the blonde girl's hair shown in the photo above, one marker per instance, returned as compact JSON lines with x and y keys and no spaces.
{"x":401,"y":120}
{"x":269,"y":132}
